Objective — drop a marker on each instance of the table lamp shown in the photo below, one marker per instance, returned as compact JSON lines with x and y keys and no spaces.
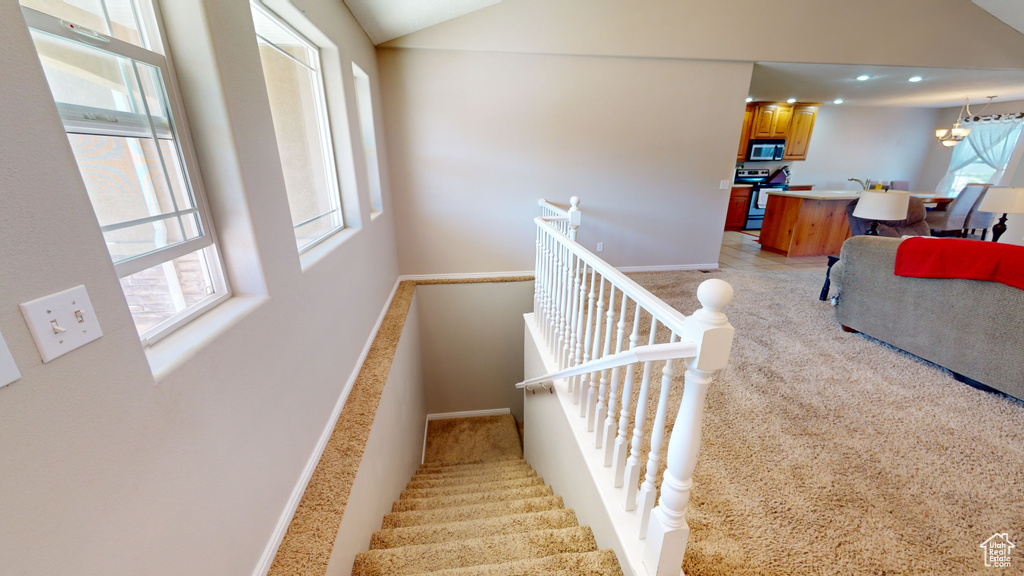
{"x":875,"y":206}
{"x":1005,"y":200}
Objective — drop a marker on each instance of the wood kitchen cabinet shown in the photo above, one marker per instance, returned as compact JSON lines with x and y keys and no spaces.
{"x":771,"y":120}
{"x":798,"y":138}
{"x":748,"y":119}
{"x":736,"y":217}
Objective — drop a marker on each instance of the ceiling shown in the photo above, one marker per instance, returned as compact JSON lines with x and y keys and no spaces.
{"x":887,"y":85}
{"x":385,"y":20}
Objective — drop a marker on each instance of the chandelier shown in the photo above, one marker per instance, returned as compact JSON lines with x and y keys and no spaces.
{"x":950,"y":137}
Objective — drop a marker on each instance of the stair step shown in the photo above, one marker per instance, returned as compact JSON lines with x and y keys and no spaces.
{"x":435,"y":533}
{"x":462,"y":513}
{"x":491,"y":549}
{"x":469,"y":469}
{"x":456,"y":465}
{"x":448,"y":490}
{"x":432,"y":481}
{"x":598,"y":563}
{"x":471,"y":498}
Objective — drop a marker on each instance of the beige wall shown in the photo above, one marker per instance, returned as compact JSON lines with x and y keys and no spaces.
{"x":476,"y":138}
{"x":636,"y":109}
{"x":105,"y":469}
{"x":471,"y":337}
{"x":907,"y":32}
{"x":863,"y":142}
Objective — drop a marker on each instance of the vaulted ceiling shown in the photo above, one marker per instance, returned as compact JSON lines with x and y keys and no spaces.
{"x":385,"y":20}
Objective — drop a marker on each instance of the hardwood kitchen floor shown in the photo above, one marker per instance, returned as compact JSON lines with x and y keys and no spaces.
{"x":741,"y":250}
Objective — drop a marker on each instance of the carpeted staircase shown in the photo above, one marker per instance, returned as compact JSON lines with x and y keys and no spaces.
{"x":492,"y":516}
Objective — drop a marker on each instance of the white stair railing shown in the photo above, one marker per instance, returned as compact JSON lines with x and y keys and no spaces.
{"x":584,"y":308}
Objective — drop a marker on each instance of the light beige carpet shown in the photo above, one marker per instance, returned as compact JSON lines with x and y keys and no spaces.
{"x":483,"y":438}
{"x":830,"y":453}
{"x":477,"y":508}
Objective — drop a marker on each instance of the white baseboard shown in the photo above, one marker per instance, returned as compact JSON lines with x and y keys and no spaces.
{"x":467,"y":275}
{"x":263,"y":566}
{"x":450,"y":415}
{"x":469,"y":414}
{"x":668,"y":268}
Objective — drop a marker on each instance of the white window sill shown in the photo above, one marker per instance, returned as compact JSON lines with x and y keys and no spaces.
{"x":181,"y":346}
{"x":375,"y":214}
{"x":325,"y":247}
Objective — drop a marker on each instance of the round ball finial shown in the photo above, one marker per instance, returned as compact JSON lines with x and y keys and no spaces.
{"x":714,"y":294}
{"x":575,"y":201}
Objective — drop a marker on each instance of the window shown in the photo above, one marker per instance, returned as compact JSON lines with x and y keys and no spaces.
{"x":114,"y":92}
{"x":983,"y":156}
{"x":291,"y":67}
{"x":364,"y":105}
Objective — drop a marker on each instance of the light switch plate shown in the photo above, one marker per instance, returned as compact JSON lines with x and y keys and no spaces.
{"x":61,"y":322}
{"x":725,"y":185}
{"x":8,"y":369}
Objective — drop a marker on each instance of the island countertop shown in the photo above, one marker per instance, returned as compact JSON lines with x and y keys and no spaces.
{"x":818,"y":194}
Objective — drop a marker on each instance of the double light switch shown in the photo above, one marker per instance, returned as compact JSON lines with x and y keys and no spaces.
{"x":61,"y":322}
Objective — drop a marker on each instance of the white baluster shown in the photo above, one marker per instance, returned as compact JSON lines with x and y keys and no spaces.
{"x":648,"y":491}
{"x":667,"y":529}
{"x":636,"y":446}
{"x":584,"y":387}
{"x":578,"y":338}
{"x":570,"y":309}
{"x":536,"y":277}
{"x":601,"y":411}
{"x":622,"y":440}
{"x":542,"y":320}
{"x":575,"y":216}
{"x":608,"y":432}
{"x":563,"y":276}
{"x":591,"y":407}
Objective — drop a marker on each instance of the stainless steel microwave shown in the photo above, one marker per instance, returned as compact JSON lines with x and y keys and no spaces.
{"x":765,"y":150}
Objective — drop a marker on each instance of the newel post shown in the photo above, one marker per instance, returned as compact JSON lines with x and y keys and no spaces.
{"x":667,"y":531}
{"x":575,"y":216}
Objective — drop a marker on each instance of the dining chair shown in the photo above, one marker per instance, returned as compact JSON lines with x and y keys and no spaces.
{"x":978,"y":220}
{"x":953,"y":219}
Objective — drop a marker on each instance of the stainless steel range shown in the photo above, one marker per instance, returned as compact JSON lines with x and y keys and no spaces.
{"x":762,"y":181}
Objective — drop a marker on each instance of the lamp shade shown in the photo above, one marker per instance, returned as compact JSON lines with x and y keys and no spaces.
{"x":1003,"y":201}
{"x":882,"y":205}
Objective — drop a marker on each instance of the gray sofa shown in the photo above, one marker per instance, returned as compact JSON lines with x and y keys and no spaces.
{"x":973,"y":328}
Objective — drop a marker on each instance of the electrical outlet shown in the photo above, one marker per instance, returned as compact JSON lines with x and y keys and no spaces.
{"x":61,"y":322}
{"x":8,"y":369}
{"x":600,"y":246}
{"x":725,"y":185}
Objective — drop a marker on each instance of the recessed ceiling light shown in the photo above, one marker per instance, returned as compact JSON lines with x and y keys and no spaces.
{"x":749,"y":99}
{"x":837,"y":101}
{"x":863,"y":77}
{"x":914,"y":79}
{"x":791,"y":100}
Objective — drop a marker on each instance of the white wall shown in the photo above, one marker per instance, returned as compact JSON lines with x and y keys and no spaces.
{"x":476,"y":138}
{"x":863,"y":142}
{"x":393,"y":450}
{"x":105,"y":469}
{"x":470,"y":337}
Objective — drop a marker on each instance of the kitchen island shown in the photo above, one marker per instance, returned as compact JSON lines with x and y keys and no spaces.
{"x":806,"y":223}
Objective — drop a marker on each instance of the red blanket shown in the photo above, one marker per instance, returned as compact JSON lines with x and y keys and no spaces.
{"x":957,"y":258}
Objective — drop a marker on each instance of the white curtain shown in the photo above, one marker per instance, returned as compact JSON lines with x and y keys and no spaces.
{"x":992,"y":142}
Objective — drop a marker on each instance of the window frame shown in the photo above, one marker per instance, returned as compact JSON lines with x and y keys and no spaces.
{"x":364,"y":97}
{"x":176,"y":127}
{"x":324,"y":128}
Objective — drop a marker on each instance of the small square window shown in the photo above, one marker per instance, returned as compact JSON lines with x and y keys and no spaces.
{"x":364,"y":104}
